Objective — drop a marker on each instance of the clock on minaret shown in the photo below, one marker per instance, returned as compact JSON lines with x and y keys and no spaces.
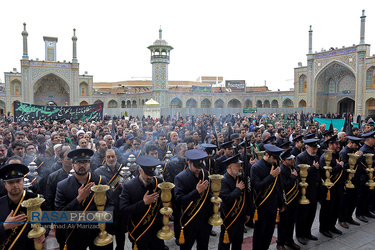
{"x":50,"y":48}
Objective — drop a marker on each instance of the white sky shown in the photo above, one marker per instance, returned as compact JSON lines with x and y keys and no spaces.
{"x":239,"y":40}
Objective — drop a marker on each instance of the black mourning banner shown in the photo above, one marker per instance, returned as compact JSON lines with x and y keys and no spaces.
{"x":235,"y":86}
{"x":24,"y":112}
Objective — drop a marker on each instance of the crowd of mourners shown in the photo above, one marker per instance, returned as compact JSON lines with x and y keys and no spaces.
{"x":259,"y":157}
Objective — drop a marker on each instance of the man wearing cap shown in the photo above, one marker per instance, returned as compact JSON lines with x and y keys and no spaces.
{"x":306,"y":212}
{"x":361,"y":177}
{"x":270,"y":140}
{"x":74,"y":194}
{"x":221,"y":168}
{"x":331,"y":196}
{"x":192,"y":194}
{"x":298,"y":145}
{"x":210,"y":161}
{"x":350,"y":195}
{"x":268,"y":196}
{"x":323,"y":145}
{"x":290,"y":183}
{"x":13,"y":230}
{"x":236,"y":139}
{"x":251,"y":158}
{"x":234,"y":207}
{"x":140,"y":200}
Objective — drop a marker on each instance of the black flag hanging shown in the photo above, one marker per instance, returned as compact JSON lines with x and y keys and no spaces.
{"x":331,"y":126}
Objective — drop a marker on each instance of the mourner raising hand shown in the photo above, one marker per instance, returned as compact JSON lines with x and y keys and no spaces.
{"x":275,"y":171}
{"x":13,"y":229}
{"x":240,"y":184}
{"x":12,"y":222}
{"x":84,"y":191}
{"x":192,"y":194}
{"x":316,"y":164}
{"x":235,"y":206}
{"x":201,"y":186}
{"x":150,"y":198}
{"x":141,"y":201}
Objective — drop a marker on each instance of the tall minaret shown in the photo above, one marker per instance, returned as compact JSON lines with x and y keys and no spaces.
{"x":25,"y":35}
{"x":310,"y":40}
{"x":310,"y":76}
{"x":74,"y":39}
{"x":160,"y":52}
{"x":363,"y":21}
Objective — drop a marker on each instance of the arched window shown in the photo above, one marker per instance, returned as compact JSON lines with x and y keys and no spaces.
{"x":134,"y":104}
{"x":287,"y":103}
{"x":206,"y":103}
{"x":191,"y":103}
{"x":259,"y":104}
{"x":219,"y":103}
{"x":274,"y":104}
{"x":302,"y":104}
{"x":176,"y":103}
{"x":15,"y":87}
{"x":302,"y":84}
{"x":112,"y":104}
{"x":370,"y":78}
{"x":234,"y":103}
{"x":266,"y":104}
{"x":83,"y":89}
{"x":248,"y":103}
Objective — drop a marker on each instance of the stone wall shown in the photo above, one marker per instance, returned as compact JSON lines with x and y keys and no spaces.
{"x":199,"y":111}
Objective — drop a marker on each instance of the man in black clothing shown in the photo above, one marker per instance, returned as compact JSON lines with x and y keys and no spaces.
{"x":13,"y":229}
{"x":74,"y":194}
{"x":351,"y":194}
{"x":289,"y":178}
{"x":162,"y":146}
{"x":361,"y":178}
{"x":331,"y":195}
{"x":306,"y":212}
{"x":234,"y":207}
{"x":50,"y":193}
{"x":110,"y":170}
{"x":98,"y":158}
{"x":176,"y":165}
{"x":192,"y":194}
{"x":282,"y":136}
{"x":299,"y":146}
{"x":219,"y":167}
{"x":140,"y":199}
{"x":268,"y":193}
